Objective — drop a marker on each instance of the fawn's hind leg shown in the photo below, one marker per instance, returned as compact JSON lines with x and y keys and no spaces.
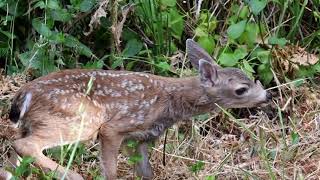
{"x":143,"y":167}
{"x":34,"y":145}
{"x":110,"y":145}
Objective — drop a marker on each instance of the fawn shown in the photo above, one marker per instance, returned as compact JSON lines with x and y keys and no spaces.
{"x":122,"y":105}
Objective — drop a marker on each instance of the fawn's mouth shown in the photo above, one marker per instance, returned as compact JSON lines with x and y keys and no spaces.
{"x":263,"y":104}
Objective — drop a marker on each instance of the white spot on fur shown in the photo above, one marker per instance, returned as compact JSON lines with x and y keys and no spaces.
{"x":132,"y":121}
{"x":25,"y":105}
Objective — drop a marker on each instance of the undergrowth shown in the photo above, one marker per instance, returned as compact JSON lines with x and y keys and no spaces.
{"x":275,"y":41}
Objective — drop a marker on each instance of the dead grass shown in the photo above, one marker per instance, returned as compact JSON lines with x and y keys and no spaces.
{"x":282,"y":150}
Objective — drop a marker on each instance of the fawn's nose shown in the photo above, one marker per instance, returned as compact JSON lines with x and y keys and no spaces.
{"x":268,"y":96}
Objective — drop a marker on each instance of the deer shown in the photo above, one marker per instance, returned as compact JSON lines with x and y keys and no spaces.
{"x":122,"y":105}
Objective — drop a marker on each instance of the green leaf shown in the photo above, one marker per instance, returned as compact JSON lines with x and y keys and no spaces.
{"x":117,"y":62}
{"x":94,"y":64}
{"x":73,"y":42}
{"x":294,"y":138}
{"x":176,"y":23}
{"x":244,"y":12}
{"x":201,"y":31}
{"x":8,"y":34}
{"x":133,"y":47}
{"x":39,"y":4}
{"x":86,"y":5}
{"x":57,"y":37}
{"x":235,"y":30}
{"x":248,"y":67}
{"x":170,"y":3}
{"x":207,"y":43}
{"x":134,"y":159}
{"x":41,"y":28}
{"x":31,"y":59}
{"x":265,"y":73}
{"x":198,"y":166}
{"x":2,"y":3}
{"x":24,"y":168}
{"x":60,"y":15}
{"x":240,"y":53}
{"x":262,"y":55}
{"x":132,"y":143}
{"x":211,"y":177}
{"x":228,"y":59}
{"x":164,"y":66}
{"x":257,"y":6}
{"x":250,"y":34}
{"x":53,"y":4}
{"x":277,"y":41}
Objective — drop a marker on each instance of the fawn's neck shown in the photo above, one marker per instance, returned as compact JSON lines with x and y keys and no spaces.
{"x":187,"y":98}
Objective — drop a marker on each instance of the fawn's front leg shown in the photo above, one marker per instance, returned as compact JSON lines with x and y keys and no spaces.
{"x":110,"y":145}
{"x":143,"y":167}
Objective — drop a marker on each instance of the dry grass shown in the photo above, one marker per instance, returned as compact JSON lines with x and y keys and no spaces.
{"x":260,"y":147}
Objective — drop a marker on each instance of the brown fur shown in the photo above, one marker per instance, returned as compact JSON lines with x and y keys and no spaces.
{"x":120,"y":105}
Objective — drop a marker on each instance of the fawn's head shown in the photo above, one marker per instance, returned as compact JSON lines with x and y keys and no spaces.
{"x":229,"y":87}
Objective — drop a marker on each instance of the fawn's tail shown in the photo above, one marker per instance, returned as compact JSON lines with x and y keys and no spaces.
{"x":20,"y":106}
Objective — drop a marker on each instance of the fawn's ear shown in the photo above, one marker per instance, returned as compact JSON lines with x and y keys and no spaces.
{"x":195,"y":53}
{"x":208,"y":73}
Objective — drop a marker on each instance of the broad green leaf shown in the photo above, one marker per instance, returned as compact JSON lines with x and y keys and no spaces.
{"x":228,"y":59}
{"x":72,"y":42}
{"x":39,"y":4}
{"x":207,"y":43}
{"x":41,"y":28}
{"x":265,"y":73}
{"x":277,"y":41}
{"x":235,"y":30}
{"x":53,"y":4}
{"x":133,"y":47}
{"x":249,"y":36}
{"x":86,"y":5}
{"x":176,"y":23}
{"x":8,"y":34}
{"x":201,"y":31}
{"x":244,"y":12}
{"x":2,"y":3}
{"x":170,"y":3}
{"x":60,"y":15}
{"x":262,"y":55}
{"x":30,"y":59}
{"x":240,"y":53}
{"x":24,"y":168}
{"x":57,"y":37}
{"x":164,"y":66}
{"x":257,"y":6}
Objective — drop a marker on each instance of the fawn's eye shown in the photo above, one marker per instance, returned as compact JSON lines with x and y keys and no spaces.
{"x":241,"y":91}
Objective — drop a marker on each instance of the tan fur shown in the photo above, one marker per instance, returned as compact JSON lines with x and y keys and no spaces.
{"x":121,"y":105}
